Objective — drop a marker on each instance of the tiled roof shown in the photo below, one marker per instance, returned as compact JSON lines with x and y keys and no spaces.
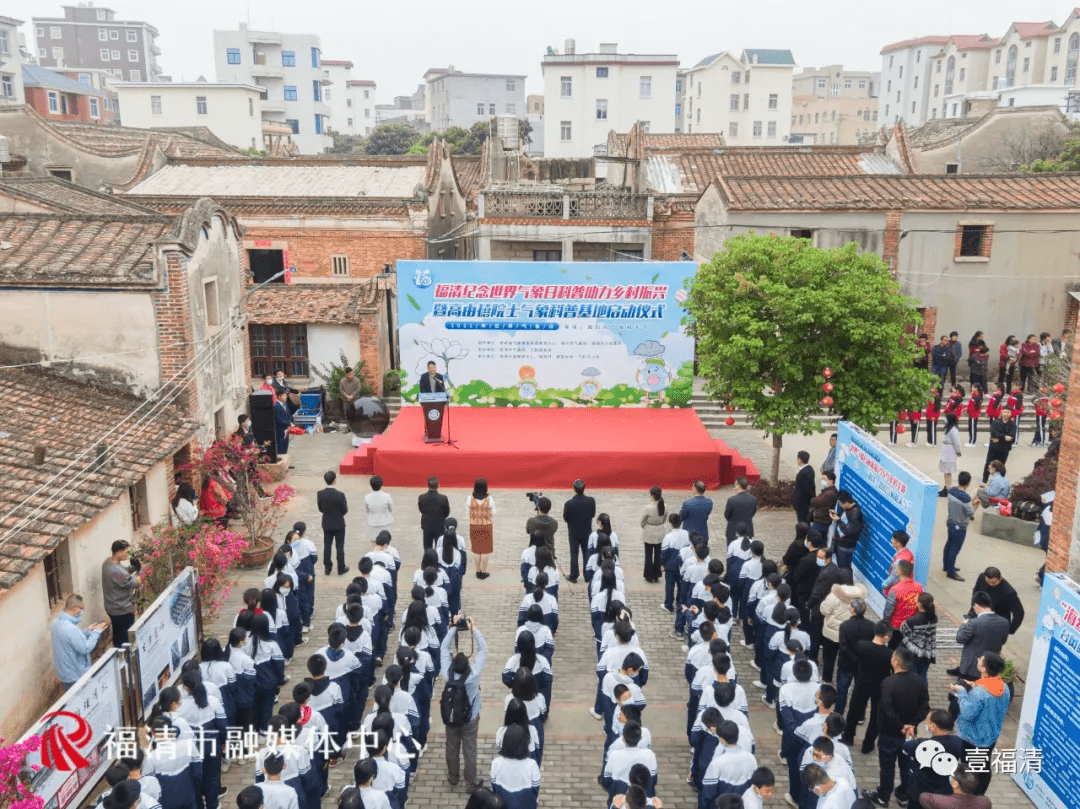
{"x":469,"y":171}
{"x":708,"y":60}
{"x":912,"y":43}
{"x":80,"y":251}
{"x":284,"y":181}
{"x":1027,"y":30}
{"x":678,"y":140}
{"x":769,"y":56}
{"x":361,"y":83}
{"x":310,"y":303}
{"x":124,"y":140}
{"x":1049,"y":191}
{"x":966,"y":42}
{"x":336,"y":63}
{"x":34,"y":76}
{"x":67,"y":418}
{"x":58,"y":196}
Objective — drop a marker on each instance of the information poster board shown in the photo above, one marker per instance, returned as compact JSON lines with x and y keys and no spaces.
{"x":894,"y":496}
{"x":547,"y":334}
{"x":1049,"y":731}
{"x":164,"y":637}
{"x":97,"y":699}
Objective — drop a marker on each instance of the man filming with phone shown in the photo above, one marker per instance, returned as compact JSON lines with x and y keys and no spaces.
{"x":460,"y":703}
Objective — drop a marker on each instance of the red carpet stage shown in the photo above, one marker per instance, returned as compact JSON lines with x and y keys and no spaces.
{"x":523,"y":448}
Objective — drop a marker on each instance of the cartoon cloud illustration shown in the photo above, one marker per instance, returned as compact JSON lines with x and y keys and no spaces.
{"x":590,"y":385}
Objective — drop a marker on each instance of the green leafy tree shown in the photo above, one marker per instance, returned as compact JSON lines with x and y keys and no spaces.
{"x":1068,"y":160}
{"x":770,"y":313}
{"x":346,"y":144}
{"x":392,"y":138}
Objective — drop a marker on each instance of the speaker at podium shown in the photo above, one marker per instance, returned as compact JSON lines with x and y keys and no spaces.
{"x":434,"y":407}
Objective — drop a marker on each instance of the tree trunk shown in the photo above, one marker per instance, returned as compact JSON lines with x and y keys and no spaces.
{"x":774,"y":469}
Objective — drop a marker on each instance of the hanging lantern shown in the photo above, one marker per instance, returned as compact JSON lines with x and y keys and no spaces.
{"x":827,"y":373}
{"x":1056,"y":403}
{"x":827,"y":401}
{"x":729,"y":421}
{"x":828,"y":387}
{"x":1059,"y":388}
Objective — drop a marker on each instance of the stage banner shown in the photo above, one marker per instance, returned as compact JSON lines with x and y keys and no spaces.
{"x":894,"y":496}
{"x":1047,"y":765}
{"x":548,"y":334}
{"x":164,"y":637}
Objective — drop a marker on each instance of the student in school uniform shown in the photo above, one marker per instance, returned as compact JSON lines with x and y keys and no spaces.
{"x":619,"y":760}
{"x":528,"y":556}
{"x":206,"y":716}
{"x":275,"y":793}
{"x":933,"y":416}
{"x":674,"y":541}
{"x":797,"y":702}
{"x":515,"y":713}
{"x":417,"y":616}
{"x":1042,"y":412}
{"x":364,"y":774}
{"x":452,"y":560}
{"x":693,"y":570}
{"x":307,"y":559}
{"x":545,"y":563}
{"x":404,"y":752}
{"x":762,"y":788}
{"x":730,"y":770}
{"x":612,"y":660}
{"x":297,"y":771}
{"x":822,"y":753}
{"x":728,"y":699}
{"x":515,"y":777}
{"x":383,"y":552}
{"x":703,"y":745}
{"x":326,"y":698}
{"x":269,"y":665}
{"x":288,"y":590}
{"x":401,"y":700}
{"x":215,"y":669}
{"x":605,"y":559}
{"x":738,"y":554}
{"x":534,"y":623}
{"x":608,"y":592}
{"x":341,"y":666}
{"x":244,"y":671}
{"x":974,"y":408}
{"x":526,"y":656}
{"x":548,"y":603}
{"x":806,"y":733}
{"x":763,"y":626}
{"x":603,"y":528}
{"x":174,"y":761}
{"x":277,"y":621}
{"x":718,"y":668}
{"x":389,"y":777}
{"x":830,"y":794}
{"x":632,"y":664}
{"x":150,"y":795}
{"x":523,"y":687}
{"x":914,"y":420}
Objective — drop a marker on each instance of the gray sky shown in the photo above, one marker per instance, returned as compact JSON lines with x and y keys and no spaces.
{"x":393,"y":43}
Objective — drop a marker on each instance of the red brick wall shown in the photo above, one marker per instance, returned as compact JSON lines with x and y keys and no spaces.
{"x":1057,"y":555}
{"x":891,"y":247}
{"x":929,"y":325}
{"x":672,"y":235}
{"x":172,"y":310}
{"x":37,"y":97}
{"x":310,"y":249}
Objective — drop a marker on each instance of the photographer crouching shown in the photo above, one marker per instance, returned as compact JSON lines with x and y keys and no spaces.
{"x":460,"y":703}
{"x":118,"y":586}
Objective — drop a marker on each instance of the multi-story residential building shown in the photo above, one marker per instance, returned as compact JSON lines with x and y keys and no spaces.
{"x":289,"y":68}
{"x":405,"y":109}
{"x":454,"y":98}
{"x":905,"y":71}
{"x":91,"y":36}
{"x":233,"y":112}
{"x":830,"y":105}
{"x":11,"y":86}
{"x":105,"y":83}
{"x":59,"y":98}
{"x":680,"y":98}
{"x":745,"y":97}
{"x":586,"y":95}
{"x":352,"y":101}
{"x":535,"y":117}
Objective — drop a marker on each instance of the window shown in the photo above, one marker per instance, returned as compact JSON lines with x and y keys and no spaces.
{"x":901,"y":71}
{"x":326,"y":95}
{"x":847,"y":83}
{"x":646,"y":86}
{"x":200,"y":105}
{"x":62,"y":174}
{"x":137,"y":499}
{"x":566,"y":86}
{"x":480,"y":108}
{"x":294,"y":125}
{"x":1070,"y":59}
{"x":279,"y":346}
{"x":232,"y":56}
{"x":94,"y":107}
{"x":136,"y":75}
{"x":102,"y":14}
{"x":115,"y":56}
{"x":601,"y":109}
{"x":954,"y":109}
{"x":912,"y":107}
{"x":997,"y":56}
{"x":1010,"y":67}
{"x":817,"y":117}
{"x":114,"y":35}
{"x":316,"y":90}
{"x":564,"y":130}
{"x":888,"y":86}
{"x":288,"y":58}
{"x":133,"y":56}
{"x":155,"y":105}
{"x":699,"y":115}
{"x":973,"y":241}
{"x":834,"y":90}
{"x":340,"y":265}
{"x":132,"y":36}
{"x":511,"y":85}
{"x":491,"y":109}
{"x":735,"y":102}
{"x":1053,"y":74}
{"x":918,"y":56}
{"x":834,"y":116}
{"x":733,"y":129}
{"x":952,"y":168}
{"x":866,"y":114}
{"x":118,"y":73}
{"x":678,"y":85}
{"x":771,"y":129}
{"x":547,"y":255}
{"x":886,"y":110}
{"x":963,"y":72}
{"x":348,"y":122}
{"x":318,"y":124}
{"x":103,"y":34}
{"x":802,"y":233}
{"x":773,"y":101}
{"x":54,"y":33}
{"x":890,"y":61}
{"x":678,"y":110}
{"x":84,"y":78}
{"x":58,"y":582}
{"x":949,"y":71}
{"x":104,"y":54}
{"x":736,"y":77}
{"x":875,"y":114}
{"x":365,"y":93}
{"x":1027,"y":63}
{"x":42,"y":53}
{"x":210,"y":301}
{"x":314,"y":57}
{"x":915,"y":86}
{"x":1057,"y":45}
{"x":757,"y":129}
{"x":40,"y":32}
{"x":601,"y":72}
{"x":58,"y":54}
{"x":936,"y":88}
{"x":290,"y":92}
{"x":54,"y":101}
{"x":8,"y":84}
{"x":746,"y":101}
{"x":821,"y":84}
{"x":251,"y":108}
{"x":862,"y":84}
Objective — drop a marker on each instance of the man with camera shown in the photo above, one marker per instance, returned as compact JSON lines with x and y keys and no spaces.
{"x":542,"y":521}
{"x":460,"y":703}
{"x":118,"y":585}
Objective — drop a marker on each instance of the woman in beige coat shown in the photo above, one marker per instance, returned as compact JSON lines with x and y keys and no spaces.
{"x":836,"y":608}
{"x":653,"y":528}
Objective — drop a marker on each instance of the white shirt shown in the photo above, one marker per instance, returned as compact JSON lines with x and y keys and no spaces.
{"x":380,"y":509}
{"x":185,"y":513}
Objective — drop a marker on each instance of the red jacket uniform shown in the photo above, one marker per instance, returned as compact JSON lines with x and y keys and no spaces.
{"x":974,"y":406}
{"x":1016,"y":403}
{"x":993,"y":406}
{"x":907,"y":603}
{"x":954,"y":404}
{"x":902,"y":415}
{"x":1042,"y":406}
{"x":914,"y":415}
{"x":933,"y":409}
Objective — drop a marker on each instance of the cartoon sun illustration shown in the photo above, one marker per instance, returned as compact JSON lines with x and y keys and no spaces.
{"x":527,"y":385}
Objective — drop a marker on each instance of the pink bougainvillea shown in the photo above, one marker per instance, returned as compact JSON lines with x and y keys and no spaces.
{"x":15,"y":772}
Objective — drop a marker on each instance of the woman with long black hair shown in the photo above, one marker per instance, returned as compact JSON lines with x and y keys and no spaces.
{"x":653,"y":529}
{"x":206,"y":716}
{"x":451,"y":559}
{"x":525,"y":656}
{"x":480,"y":506}
{"x":269,"y":669}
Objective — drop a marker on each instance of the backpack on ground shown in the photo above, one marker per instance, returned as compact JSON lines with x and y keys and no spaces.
{"x":454,"y":703}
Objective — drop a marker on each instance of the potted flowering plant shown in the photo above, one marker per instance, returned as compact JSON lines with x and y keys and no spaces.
{"x":15,"y":774}
{"x":236,"y":466}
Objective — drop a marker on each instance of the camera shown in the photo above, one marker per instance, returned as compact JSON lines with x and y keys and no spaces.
{"x":134,"y":564}
{"x":534,"y":497}
{"x":462,"y":623}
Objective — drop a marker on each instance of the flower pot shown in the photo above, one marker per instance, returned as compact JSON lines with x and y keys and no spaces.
{"x":258,"y":553}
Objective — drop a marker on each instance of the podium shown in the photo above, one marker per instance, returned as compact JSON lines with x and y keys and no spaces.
{"x":433,"y":406}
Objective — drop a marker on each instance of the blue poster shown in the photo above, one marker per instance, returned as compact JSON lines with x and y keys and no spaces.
{"x":894,"y":496}
{"x":548,"y":334}
{"x":1048,"y":739}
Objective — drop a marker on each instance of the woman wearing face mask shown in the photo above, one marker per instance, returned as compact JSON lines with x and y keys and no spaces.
{"x":825,"y":502}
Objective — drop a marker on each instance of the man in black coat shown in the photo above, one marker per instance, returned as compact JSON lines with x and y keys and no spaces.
{"x":804,"y":487}
{"x":434,"y":509}
{"x":578,"y":513}
{"x":916,"y":779}
{"x":333,"y":507}
{"x":1003,"y":598}
{"x":849,"y":528}
{"x":856,"y":628}
{"x":432,"y":382}
{"x":828,"y":575}
{"x":875,"y":664}
{"x":1002,"y":438}
{"x":804,"y":577}
{"x":740,"y":508}
{"x":795,"y":552}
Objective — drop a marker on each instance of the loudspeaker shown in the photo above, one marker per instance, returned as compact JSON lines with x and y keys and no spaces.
{"x":261,"y":403}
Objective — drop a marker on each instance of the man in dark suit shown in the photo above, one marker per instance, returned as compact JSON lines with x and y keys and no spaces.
{"x":740,"y":508}
{"x":432,"y":382}
{"x":282,"y":423}
{"x":695,"y":511}
{"x":986,"y":632}
{"x":578,"y":513}
{"x":434,"y":509}
{"x":1003,"y":597}
{"x":804,"y":487}
{"x":333,"y":508}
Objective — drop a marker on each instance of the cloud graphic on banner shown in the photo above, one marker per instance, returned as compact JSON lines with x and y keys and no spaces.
{"x":650,"y":348}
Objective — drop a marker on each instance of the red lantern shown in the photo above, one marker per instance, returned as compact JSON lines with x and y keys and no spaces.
{"x":1059,"y":388}
{"x":1056,"y":403}
{"x":828,"y":387}
{"x":729,"y":421}
{"x":900,"y":429}
{"x":827,"y":401}
{"x":1056,"y":415}
{"x":730,"y":408}
{"x":827,"y":373}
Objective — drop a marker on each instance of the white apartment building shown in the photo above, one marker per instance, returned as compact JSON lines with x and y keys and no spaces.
{"x":833,"y":106}
{"x":454,"y":98}
{"x":289,"y":67}
{"x":352,"y":101}
{"x":233,"y":112}
{"x":11,"y":85}
{"x":905,"y":69}
{"x":745,"y":98}
{"x":589,"y":94}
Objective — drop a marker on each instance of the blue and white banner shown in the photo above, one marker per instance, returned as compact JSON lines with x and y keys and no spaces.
{"x":894,"y":496}
{"x":1048,"y":740}
{"x":547,"y":334}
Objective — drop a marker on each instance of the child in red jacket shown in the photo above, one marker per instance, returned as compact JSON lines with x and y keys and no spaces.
{"x":933,"y":413}
{"x":1042,"y":411}
{"x":893,"y":427}
{"x":914,"y":417}
{"x":1016,"y":404}
{"x":974,"y":406}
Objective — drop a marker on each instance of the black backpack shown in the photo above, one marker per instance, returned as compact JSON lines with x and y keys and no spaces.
{"x":454,"y":703}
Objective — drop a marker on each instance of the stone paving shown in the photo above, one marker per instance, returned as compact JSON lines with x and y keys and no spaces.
{"x":573,"y":739}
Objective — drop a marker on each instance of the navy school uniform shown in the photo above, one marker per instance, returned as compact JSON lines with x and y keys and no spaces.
{"x":313,"y":736}
{"x":736,"y":558}
{"x":373,"y":798}
{"x":703,"y":744}
{"x":429,"y":642}
{"x":454,"y":572}
{"x":390,"y":563}
{"x":326,"y":698}
{"x":403,"y":703}
{"x":536,"y":708}
{"x":592,"y":566}
{"x":297,"y":773}
{"x":535,"y":752}
{"x":209,"y":726}
{"x":545,"y":643}
{"x":223,"y":676}
{"x":279,"y":795}
{"x":269,"y":677}
{"x":795,"y":703}
{"x":177,"y":766}
{"x":528,"y":560}
{"x":419,"y":690}
{"x":375,"y":610}
{"x":787,"y":672}
{"x":244,"y":691}
{"x":594,"y":537}
{"x":406,"y":744}
{"x":838,"y":769}
{"x":307,"y":558}
{"x":516,"y":781}
{"x":358,"y":642}
{"x":541,"y":673}
{"x":390,"y":778}
{"x":723,"y":630}
{"x":617,"y":764}
{"x":693,"y":571}
{"x":729,"y":772}
{"x":343,"y":668}
{"x":673,"y":542}
{"x":764,"y":629}
{"x":597,"y":608}
{"x":703,"y":681}
{"x":549,"y":604}
{"x":738,"y":704}
{"x":697,"y":658}
{"x":778,"y":656}
{"x":612,"y":660}
{"x":553,"y":581}
{"x":637,"y":697}
{"x":749,"y":576}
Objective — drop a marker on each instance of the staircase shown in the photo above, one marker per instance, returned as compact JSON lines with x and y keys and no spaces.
{"x":713,"y":415}
{"x":393,"y":404}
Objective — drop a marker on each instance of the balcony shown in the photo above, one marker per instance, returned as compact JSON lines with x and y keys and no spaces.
{"x":588,"y":205}
{"x":267,"y":37}
{"x":273,"y":106}
{"x":267,"y":71}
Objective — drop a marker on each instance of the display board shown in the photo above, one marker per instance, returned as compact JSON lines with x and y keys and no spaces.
{"x":1048,"y":739}
{"x":894,"y":496}
{"x":97,"y":699}
{"x":164,"y":637}
{"x":547,"y":334}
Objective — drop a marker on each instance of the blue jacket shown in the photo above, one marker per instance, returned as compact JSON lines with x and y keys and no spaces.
{"x":981,"y":714}
{"x":72,"y":647}
{"x":695,"y":513}
{"x":476,"y":668}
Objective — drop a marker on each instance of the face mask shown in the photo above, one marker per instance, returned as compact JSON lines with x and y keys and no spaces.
{"x":821,"y":562}
{"x":824,"y":484}
{"x":286,"y":590}
{"x":928,"y":731}
{"x":79,"y":615}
